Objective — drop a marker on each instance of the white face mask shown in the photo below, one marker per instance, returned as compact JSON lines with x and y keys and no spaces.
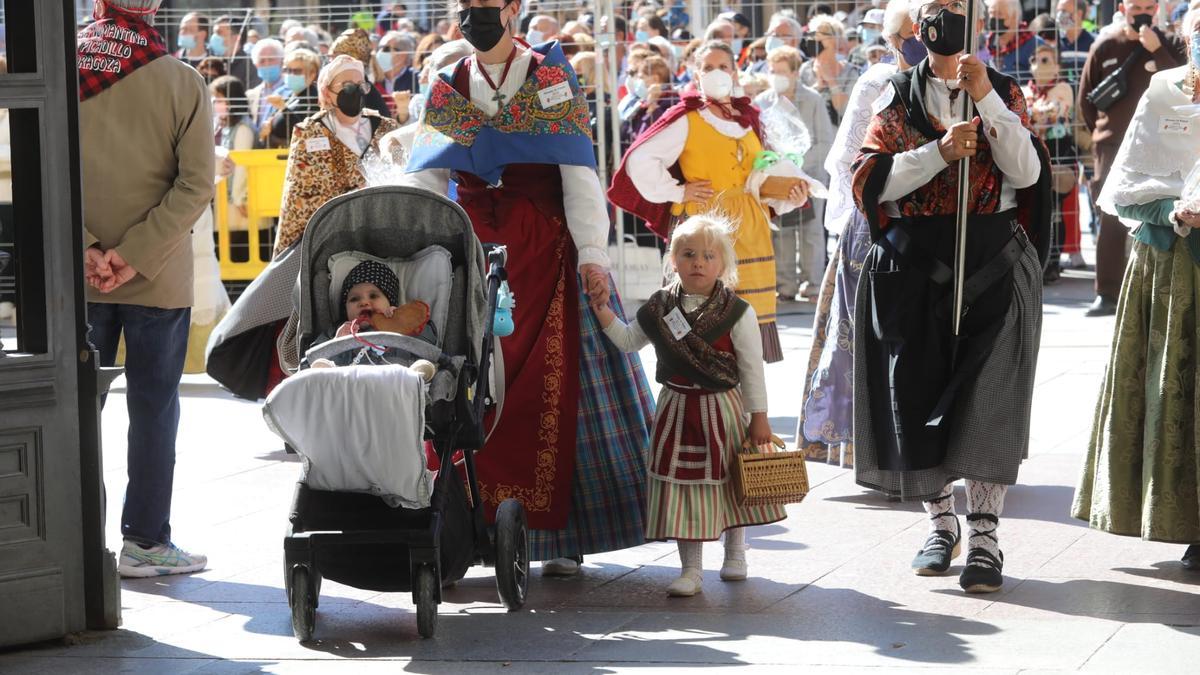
{"x":716,"y":84}
{"x":535,"y":37}
{"x":774,"y":43}
{"x":781,"y":83}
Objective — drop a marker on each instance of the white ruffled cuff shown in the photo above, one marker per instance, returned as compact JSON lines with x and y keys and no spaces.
{"x":594,"y":255}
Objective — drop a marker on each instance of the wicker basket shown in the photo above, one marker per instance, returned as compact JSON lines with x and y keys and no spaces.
{"x":770,"y":478}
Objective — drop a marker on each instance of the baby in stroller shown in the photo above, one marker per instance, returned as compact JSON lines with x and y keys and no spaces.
{"x":371,"y":295}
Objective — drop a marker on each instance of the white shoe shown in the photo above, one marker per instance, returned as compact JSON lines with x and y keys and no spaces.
{"x":688,"y":584}
{"x":8,"y":311}
{"x":156,"y":561}
{"x":1077,"y":262}
{"x":734,"y":570}
{"x":560,"y":567}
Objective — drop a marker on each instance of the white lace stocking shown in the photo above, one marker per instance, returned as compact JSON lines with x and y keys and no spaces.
{"x":985,"y":501}
{"x":691,"y":555}
{"x":941,"y":510}
{"x":735,"y":544}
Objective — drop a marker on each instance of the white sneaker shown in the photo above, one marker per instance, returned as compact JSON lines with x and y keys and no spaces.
{"x":1077,"y":262}
{"x":560,"y":567}
{"x":689,"y":583}
{"x":734,"y":570}
{"x":137,"y":562}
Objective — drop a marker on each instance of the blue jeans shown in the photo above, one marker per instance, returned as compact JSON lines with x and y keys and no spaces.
{"x":155,"y":348}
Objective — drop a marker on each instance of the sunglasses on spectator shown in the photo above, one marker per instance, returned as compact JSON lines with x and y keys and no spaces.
{"x":1042,"y":60}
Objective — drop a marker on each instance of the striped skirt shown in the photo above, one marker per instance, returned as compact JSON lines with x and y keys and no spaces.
{"x":608,"y":497}
{"x":694,"y":510}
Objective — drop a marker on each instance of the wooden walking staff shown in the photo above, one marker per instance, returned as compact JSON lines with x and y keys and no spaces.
{"x":964,"y":188}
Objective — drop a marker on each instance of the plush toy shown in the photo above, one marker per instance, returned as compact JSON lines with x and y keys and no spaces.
{"x":503,"y":325}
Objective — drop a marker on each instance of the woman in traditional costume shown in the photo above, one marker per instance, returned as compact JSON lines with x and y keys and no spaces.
{"x":696,"y":159}
{"x":1142,"y":473}
{"x":931,"y":408}
{"x":510,"y":126}
{"x":327,"y":151}
{"x":825,"y":428}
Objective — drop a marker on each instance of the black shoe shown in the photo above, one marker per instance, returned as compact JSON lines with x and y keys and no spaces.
{"x":940,"y":548}
{"x":1052,"y":273}
{"x":983,"y":572}
{"x":1191,"y":557}
{"x":1103,"y":305}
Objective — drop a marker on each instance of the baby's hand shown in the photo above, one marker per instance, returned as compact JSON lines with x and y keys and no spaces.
{"x":388,"y":312}
{"x":344,"y":329}
{"x":323,"y":363}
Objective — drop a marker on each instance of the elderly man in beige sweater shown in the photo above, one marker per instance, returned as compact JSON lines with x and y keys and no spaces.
{"x":145,"y":122}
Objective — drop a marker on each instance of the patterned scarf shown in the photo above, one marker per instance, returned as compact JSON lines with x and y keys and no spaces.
{"x":693,"y":356}
{"x":112,"y":47}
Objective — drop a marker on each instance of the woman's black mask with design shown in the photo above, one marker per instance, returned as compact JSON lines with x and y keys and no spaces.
{"x":350,"y":99}
{"x":481,"y":26}
{"x":944,"y":33}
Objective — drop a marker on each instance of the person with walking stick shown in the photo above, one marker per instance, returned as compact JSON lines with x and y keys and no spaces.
{"x":955,"y":188}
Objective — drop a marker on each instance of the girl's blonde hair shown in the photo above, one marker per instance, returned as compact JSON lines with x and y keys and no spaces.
{"x":714,"y":230}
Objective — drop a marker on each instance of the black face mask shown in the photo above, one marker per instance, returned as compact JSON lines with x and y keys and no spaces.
{"x":811,"y":46}
{"x":1138,"y":20}
{"x":996,"y":25}
{"x":350,"y":100}
{"x":944,"y":33}
{"x":481,"y":27}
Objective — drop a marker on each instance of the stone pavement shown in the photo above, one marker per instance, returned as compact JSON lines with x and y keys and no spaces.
{"x":830,"y":589}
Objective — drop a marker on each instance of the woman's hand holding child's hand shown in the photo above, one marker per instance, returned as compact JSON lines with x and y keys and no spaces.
{"x":595,"y":284}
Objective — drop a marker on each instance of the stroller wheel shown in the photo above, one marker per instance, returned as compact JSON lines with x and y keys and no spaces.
{"x":303,"y":599}
{"x":512,"y":554}
{"x":426,"y":597}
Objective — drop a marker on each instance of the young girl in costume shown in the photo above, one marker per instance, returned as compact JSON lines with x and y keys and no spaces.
{"x":711,"y":368}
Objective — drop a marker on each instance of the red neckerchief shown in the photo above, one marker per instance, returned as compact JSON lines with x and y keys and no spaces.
{"x":1023,"y":35}
{"x":112,"y":47}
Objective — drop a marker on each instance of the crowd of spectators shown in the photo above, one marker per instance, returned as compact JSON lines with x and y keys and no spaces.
{"x":265,"y":71}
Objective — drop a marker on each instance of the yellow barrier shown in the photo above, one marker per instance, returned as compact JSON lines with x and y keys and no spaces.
{"x":265,"y":170}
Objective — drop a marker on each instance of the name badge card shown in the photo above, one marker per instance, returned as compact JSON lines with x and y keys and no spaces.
{"x":1175,"y":125}
{"x":554,"y":95}
{"x":677,"y":324}
{"x":317,"y":144}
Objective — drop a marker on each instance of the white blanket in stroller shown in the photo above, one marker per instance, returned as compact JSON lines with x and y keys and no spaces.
{"x":358,"y":428}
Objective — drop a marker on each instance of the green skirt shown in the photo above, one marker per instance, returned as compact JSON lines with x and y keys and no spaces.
{"x":1140,"y":477}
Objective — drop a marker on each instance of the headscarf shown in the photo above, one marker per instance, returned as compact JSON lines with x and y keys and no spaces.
{"x":353,"y":42}
{"x":372,"y":272}
{"x":340,"y":64}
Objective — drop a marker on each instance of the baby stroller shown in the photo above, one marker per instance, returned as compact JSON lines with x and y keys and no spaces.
{"x":366,"y":512}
